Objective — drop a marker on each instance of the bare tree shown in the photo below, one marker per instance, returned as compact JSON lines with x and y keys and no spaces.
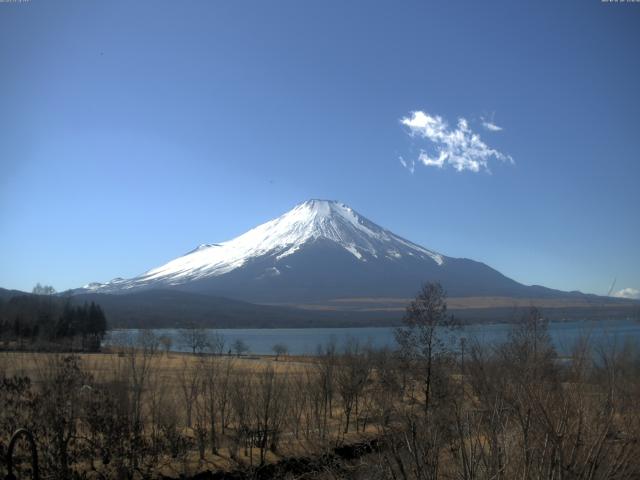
{"x":326,"y":370}
{"x":269,"y":409}
{"x":190,"y":382}
{"x":223,"y":387}
{"x":352,"y":376}
{"x":141,"y":367}
{"x":421,"y":339}
{"x":212,"y":368}
{"x":240,"y":391}
{"x":387,"y":392}
{"x":280,"y":349}
{"x":166,"y":342}
{"x":43,"y":289}
{"x":240,"y":347}
{"x":62,"y":382}
{"x":425,"y":355}
{"x":195,"y":339}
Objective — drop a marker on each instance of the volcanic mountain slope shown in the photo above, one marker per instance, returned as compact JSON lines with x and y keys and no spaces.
{"x":317,"y":251}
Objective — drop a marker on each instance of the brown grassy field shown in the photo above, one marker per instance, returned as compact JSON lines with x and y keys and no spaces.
{"x":514,"y":410}
{"x":170,"y":366}
{"x":172,"y":377}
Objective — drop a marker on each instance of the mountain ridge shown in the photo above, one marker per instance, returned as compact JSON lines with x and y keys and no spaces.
{"x":281,"y":237}
{"x":319,"y":250}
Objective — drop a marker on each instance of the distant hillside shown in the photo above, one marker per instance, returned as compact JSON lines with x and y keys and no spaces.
{"x":172,"y":308}
{"x":7,"y":294}
{"x":175,"y":309}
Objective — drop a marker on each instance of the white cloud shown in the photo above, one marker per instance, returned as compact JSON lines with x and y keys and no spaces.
{"x":492,"y":127}
{"x":460,"y":147}
{"x":632,"y":293}
{"x":409,"y":165}
{"x":490,"y":124}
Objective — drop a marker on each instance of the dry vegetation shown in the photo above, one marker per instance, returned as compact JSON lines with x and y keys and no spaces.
{"x":511,"y":411}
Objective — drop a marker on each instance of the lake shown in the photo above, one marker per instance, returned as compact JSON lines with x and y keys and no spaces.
{"x":303,"y":341}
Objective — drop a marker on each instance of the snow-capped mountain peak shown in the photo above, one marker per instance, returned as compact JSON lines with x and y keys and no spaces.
{"x":277,"y":239}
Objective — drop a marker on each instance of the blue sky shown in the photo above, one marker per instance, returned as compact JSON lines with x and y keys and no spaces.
{"x":132,"y":131}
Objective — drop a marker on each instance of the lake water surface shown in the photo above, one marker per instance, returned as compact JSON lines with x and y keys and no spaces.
{"x":302,"y":341}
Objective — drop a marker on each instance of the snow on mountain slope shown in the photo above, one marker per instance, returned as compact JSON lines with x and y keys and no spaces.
{"x":307,"y":222}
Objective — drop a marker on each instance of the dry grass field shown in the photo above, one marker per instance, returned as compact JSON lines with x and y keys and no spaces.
{"x":174,"y":389}
{"x":514,"y":410}
{"x":169,"y":366}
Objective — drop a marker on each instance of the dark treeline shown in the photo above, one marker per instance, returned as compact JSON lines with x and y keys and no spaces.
{"x":45,"y":321}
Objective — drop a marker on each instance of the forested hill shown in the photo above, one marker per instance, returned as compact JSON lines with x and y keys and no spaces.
{"x":42,"y":321}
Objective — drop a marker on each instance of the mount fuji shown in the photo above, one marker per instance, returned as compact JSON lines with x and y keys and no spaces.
{"x":320,"y":251}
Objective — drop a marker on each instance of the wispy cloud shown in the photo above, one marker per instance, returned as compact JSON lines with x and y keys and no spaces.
{"x":459,"y":147}
{"x":632,"y":293}
{"x":408,"y":164}
{"x":489,"y":125}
